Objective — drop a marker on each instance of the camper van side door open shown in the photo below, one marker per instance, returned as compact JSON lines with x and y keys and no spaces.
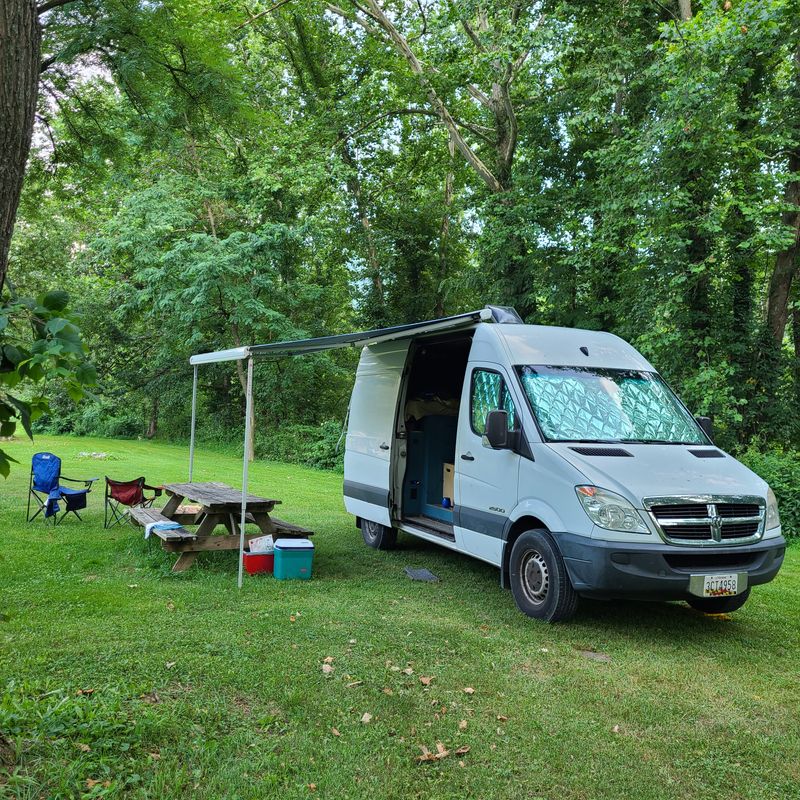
{"x":371,"y":431}
{"x":487,"y":478}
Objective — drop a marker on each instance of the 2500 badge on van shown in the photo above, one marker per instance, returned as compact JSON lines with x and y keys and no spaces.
{"x":558,"y":455}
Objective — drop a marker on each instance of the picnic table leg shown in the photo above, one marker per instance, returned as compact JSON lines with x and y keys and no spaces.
{"x":185,"y":560}
{"x":172,"y":505}
{"x":265,"y":524}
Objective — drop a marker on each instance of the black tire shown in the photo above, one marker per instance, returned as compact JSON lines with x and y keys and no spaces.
{"x":718,"y":605}
{"x":378,"y":536}
{"x":539,"y":580}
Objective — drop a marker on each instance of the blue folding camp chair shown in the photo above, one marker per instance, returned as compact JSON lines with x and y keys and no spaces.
{"x":47,"y":491}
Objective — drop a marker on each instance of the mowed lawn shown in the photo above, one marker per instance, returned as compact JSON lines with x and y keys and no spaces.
{"x":121,"y":679}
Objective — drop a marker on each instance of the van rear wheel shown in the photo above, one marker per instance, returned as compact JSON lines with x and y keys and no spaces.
{"x":539,"y":580}
{"x":378,"y":536}
{"x":718,"y":605}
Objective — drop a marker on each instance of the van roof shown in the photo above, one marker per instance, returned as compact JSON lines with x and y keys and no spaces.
{"x":553,"y":346}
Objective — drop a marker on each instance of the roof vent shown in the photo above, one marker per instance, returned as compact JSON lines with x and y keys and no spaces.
{"x":614,"y":452}
{"x":585,"y":350}
{"x":707,"y":453}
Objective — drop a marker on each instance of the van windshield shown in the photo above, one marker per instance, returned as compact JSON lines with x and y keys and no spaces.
{"x":587,"y":404}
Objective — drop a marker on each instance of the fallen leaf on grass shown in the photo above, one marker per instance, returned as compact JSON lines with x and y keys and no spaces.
{"x":91,"y":783}
{"x":292,"y":618}
{"x":425,"y":680}
{"x":463,"y":750}
{"x":387,"y":690}
{"x":408,"y":671}
{"x":615,"y":729}
{"x":335,"y":732}
{"x":502,"y":718}
{"x":353,"y":684}
{"x":469,"y":690}
{"x":427,"y":755}
{"x":133,"y":585}
{"x":327,"y":668}
{"x":312,"y":787}
{"x":366,"y":718}
{"x":170,"y":664}
{"x":170,"y":606}
{"x":593,"y":655}
{"x":85,"y":692}
{"x":84,"y":748}
{"x":462,"y":726}
{"x":327,"y":660}
{"x":150,"y":697}
{"x":154,"y":756}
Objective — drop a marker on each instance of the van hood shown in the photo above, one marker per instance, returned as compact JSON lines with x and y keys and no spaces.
{"x":660,"y":470}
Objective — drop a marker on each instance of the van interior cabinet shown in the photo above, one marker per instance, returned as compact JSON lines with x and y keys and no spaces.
{"x":430,"y":447}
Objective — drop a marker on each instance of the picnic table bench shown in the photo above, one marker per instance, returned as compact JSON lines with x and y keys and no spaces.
{"x":213,"y":504}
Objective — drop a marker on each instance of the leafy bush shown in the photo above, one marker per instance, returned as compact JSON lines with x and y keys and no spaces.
{"x":313,"y":446}
{"x":781,"y":470}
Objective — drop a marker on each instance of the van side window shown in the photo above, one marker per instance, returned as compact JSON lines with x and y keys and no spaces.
{"x":489,"y":393}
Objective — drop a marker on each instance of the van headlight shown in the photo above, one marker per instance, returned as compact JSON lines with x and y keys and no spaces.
{"x":773,"y":517}
{"x":610,"y":511}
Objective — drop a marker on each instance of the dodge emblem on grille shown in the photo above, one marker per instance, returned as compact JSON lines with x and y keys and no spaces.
{"x":716,"y":522}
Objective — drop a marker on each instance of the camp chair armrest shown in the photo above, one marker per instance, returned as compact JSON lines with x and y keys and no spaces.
{"x":84,"y":481}
{"x":156,"y":489}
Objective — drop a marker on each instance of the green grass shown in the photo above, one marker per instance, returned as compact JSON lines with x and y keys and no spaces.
{"x":203,"y":691}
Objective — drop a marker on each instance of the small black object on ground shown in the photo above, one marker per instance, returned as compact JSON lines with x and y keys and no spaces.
{"x":421,"y":575}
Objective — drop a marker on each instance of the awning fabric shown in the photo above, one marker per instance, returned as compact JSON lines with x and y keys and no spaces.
{"x":360,"y":338}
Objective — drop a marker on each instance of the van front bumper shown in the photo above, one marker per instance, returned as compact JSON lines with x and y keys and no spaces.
{"x":604,"y":569}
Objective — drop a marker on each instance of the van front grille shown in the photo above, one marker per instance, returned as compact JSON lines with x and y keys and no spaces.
{"x":708,"y":519}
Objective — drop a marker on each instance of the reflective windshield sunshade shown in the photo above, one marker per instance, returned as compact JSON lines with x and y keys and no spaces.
{"x":591,"y":404}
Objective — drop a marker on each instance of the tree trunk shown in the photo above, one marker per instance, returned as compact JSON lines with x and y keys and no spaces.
{"x":19,"y":83}
{"x":444,"y":233}
{"x":780,"y":284}
{"x":152,"y":425}
{"x":685,"y":7}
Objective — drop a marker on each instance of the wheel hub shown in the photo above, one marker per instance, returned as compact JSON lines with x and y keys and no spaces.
{"x":535,"y":577}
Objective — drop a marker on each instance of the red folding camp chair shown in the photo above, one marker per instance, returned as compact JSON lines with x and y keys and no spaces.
{"x":130,"y":494}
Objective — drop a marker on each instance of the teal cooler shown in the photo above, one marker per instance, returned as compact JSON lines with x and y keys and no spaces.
{"x":293,"y":559}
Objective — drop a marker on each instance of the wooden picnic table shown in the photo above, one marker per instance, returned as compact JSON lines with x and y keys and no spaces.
{"x":208,"y":505}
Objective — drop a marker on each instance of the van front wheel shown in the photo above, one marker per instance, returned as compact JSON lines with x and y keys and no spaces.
{"x":378,"y":536}
{"x":539,"y":580}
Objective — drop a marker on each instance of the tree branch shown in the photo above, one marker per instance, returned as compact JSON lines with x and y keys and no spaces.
{"x":50,"y":5}
{"x":260,"y":14}
{"x":401,"y":44}
{"x":472,"y":35}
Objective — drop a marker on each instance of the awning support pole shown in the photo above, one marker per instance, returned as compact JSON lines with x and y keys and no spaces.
{"x":245,"y":462}
{"x":194,"y":422}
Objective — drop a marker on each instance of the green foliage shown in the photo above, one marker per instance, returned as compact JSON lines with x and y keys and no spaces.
{"x":214,"y":180}
{"x":320,"y":446}
{"x":39,"y":345}
{"x":781,"y":470}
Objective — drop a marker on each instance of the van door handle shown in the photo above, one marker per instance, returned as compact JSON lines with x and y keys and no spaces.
{"x":468,"y":456}
{"x":384,"y":446}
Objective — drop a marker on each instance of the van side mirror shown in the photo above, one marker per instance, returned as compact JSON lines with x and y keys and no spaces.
{"x":497,"y":432}
{"x":707,"y":424}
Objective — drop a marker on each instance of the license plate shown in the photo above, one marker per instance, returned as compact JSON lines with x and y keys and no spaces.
{"x":720,"y":585}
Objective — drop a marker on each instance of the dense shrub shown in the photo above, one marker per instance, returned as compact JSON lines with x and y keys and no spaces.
{"x":781,"y":470}
{"x":312,"y":445}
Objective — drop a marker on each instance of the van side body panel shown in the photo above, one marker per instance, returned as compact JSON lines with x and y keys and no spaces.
{"x":371,"y":431}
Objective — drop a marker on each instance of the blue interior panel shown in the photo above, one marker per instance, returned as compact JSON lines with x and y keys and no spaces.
{"x":429,"y":448}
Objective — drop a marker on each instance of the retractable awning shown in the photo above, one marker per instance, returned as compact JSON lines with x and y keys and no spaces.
{"x":301,"y":346}
{"x":360,"y":338}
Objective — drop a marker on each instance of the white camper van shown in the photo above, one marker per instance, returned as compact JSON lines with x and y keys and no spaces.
{"x":558,"y":455}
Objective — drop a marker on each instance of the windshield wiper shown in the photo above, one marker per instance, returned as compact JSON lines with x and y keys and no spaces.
{"x":651,"y":441}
